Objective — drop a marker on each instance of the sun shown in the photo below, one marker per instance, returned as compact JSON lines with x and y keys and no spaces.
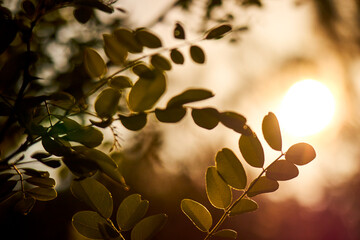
{"x":307,"y":108}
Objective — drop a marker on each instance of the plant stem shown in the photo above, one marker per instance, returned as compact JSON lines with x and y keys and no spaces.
{"x":21,"y":179}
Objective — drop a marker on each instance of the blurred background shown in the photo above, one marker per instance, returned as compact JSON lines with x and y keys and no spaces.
{"x":279,"y":43}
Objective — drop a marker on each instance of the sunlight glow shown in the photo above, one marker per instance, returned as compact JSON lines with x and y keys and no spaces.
{"x":307,"y":108}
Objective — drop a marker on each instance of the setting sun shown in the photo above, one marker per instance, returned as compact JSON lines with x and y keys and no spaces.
{"x":307,"y":108}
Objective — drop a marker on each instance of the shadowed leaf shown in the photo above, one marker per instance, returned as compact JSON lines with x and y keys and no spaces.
{"x":218,"y":32}
{"x":82,"y":14}
{"x":87,"y":224}
{"x":25,"y":205}
{"x":160,"y":62}
{"x":226,"y":233}
{"x":41,"y":182}
{"x":197,"y":54}
{"x":120,"y":82}
{"x":176,"y":56}
{"x":56,"y":146}
{"x":205,"y":117}
{"x":114,"y":50}
{"x":143,"y":71}
{"x":234,"y":121}
{"x":126,"y":37}
{"x":282,"y":170}
{"x":263,"y":185}
{"x":300,"y":154}
{"x":197,"y":213}
{"x":148,"y":227}
{"x":188,"y":96}
{"x":271,"y":131}
{"x":134,"y":122}
{"x":94,"y":64}
{"x":245,"y":205}
{"x":179,"y":32}
{"x":147,"y":38}
{"x":252,"y":150}
{"x":106,"y":102}
{"x":42,"y":194}
{"x":170,"y":115}
{"x":218,"y":192}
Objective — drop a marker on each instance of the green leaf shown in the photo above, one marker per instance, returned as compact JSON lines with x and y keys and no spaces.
{"x":42,"y":194}
{"x":218,"y":32}
{"x":170,"y":115}
{"x":87,"y":224}
{"x":88,"y":136}
{"x":131,"y":210}
{"x":79,"y":165}
{"x":234,"y":121}
{"x":143,"y":71}
{"x":107,"y":102}
{"x":147,"y":38}
{"x":126,"y":37}
{"x":94,"y":194}
{"x":145,"y":93}
{"x":198,"y":214}
{"x":176,"y":56}
{"x":207,"y":118}
{"x":160,"y":62}
{"x":226,"y":233}
{"x":197,"y":54}
{"x":251,"y":150}
{"x":231,"y":169}
{"x":300,"y":154}
{"x":134,"y":122}
{"x":245,"y":205}
{"x":179,"y":32}
{"x":41,"y":182}
{"x":148,"y":227}
{"x":36,"y":173}
{"x":94,"y":64}
{"x":55,"y":146}
{"x":188,"y":96}
{"x":282,"y":170}
{"x":271,"y":131}
{"x":218,"y":192}
{"x":120,"y":82}
{"x":116,"y":52}
{"x":262,"y":185}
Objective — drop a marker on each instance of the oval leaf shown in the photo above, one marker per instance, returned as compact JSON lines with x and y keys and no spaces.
{"x":176,"y":56}
{"x":197,"y":213}
{"x":300,"y":154}
{"x":188,"y":96}
{"x":147,"y":38}
{"x":55,"y":146}
{"x":226,"y":233}
{"x":148,"y":227}
{"x":160,"y":62}
{"x":120,"y":82}
{"x":143,"y":71}
{"x":126,"y":37}
{"x":41,"y":182}
{"x":207,"y":118}
{"x":87,"y":224}
{"x":218,"y":32}
{"x":234,"y":121}
{"x":170,"y":115}
{"x":94,"y":64}
{"x":231,"y":169}
{"x":271,"y":131}
{"x":179,"y":32}
{"x":251,"y":150}
{"x":131,"y":210}
{"x":134,"y":122}
{"x":245,"y":205}
{"x":114,"y":50}
{"x":218,"y":192}
{"x":197,"y":54}
{"x":262,"y":185}
{"x":42,"y":194}
{"x":106,"y":102}
{"x":282,"y":170}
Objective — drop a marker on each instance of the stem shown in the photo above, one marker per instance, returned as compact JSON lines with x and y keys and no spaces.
{"x":21,"y":179}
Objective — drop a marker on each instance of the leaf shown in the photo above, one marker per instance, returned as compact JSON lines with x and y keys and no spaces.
{"x":218,"y":192}
{"x":179,"y":32}
{"x":53,"y":163}
{"x":88,"y":136}
{"x":42,"y":194}
{"x":271,"y":131}
{"x":134,"y":122}
{"x":188,"y":96}
{"x":131,"y":210}
{"x":107,"y":102}
{"x":87,"y":224}
{"x":114,"y":50}
{"x":25,"y":205}
{"x":41,"y":182}
{"x":94,"y":64}
{"x":40,"y":155}
{"x":282,"y":170}
{"x":226,"y":233}
{"x":170,"y":115}
{"x":127,"y":38}
{"x":148,"y":227}
{"x":245,"y":205}
{"x":300,"y":154}
{"x":197,"y":213}
{"x":36,"y":173}
{"x":143,"y":71}
{"x":147,"y":38}
{"x":55,"y":146}
{"x":197,"y":54}
{"x":145,"y":93}
{"x":176,"y":56}
{"x":251,"y":150}
{"x":94,"y":194}
{"x":234,"y":121}
{"x":108,"y":232}
{"x":218,"y":32}
{"x":120,"y":82}
{"x":82,"y":14}
{"x":103,"y":124}
{"x":160,"y":62}
{"x":262,"y":185}
{"x":207,"y":118}
{"x":231,"y":169}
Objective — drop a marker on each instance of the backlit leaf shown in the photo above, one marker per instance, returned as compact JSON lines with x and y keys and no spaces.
{"x":231,"y":169}
{"x":148,"y":227}
{"x":271,"y":131}
{"x":245,"y":205}
{"x":179,"y":32}
{"x":282,"y":170}
{"x":120,"y":82}
{"x":134,"y":122}
{"x":87,"y":224}
{"x":188,"y":96}
{"x":94,"y":64}
{"x":114,"y":50}
{"x":197,"y":213}
{"x":300,"y":154}
{"x":226,"y":233}
{"x":197,"y":54}
{"x":160,"y":62}
{"x":234,"y":121}
{"x":106,"y":102}
{"x":41,"y":182}
{"x":147,"y":38}
{"x":205,"y":117}
{"x":218,"y":32}
{"x":42,"y":194}
{"x":218,"y":192}
{"x":131,"y":210}
{"x":176,"y":56}
{"x":262,"y":185}
{"x":126,"y":37}
{"x":170,"y":115}
{"x":252,"y":150}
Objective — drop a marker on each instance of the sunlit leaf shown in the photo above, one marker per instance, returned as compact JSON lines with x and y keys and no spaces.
{"x":179,"y":32}
{"x":106,"y":102}
{"x":148,"y":227}
{"x":300,"y":154}
{"x":87,"y":224}
{"x":234,"y":121}
{"x":147,"y":38}
{"x":226,"y":233}
{"x":176,"y":56}
{"x":127,"y":38}
{"x":188,"y":96}
{"x":25,"y":205}
{"x":282,"y":170}
{"x":170,"y":115}
{"x":243,"y":206}
{"x":271,"y":131}
{"x":116,"y":52}
{"x":218,"y":32}
{"x":218,"y":192}
{"x":120,"y":82}
{"x":94,"y":194}
{"x":131,"y":210}
{"x":134,"y":122}
{"x":94,"y":64}
{"x":197,"y":54}
{"x":42,"y":194}
{"x":197,"y":213}
{"x":262,"y":185}
{"x":205,"y":117}
{"x":160,"y":62}
{"x":41,"y":182}
{"x":231,"y":169}
{"x":252,"y":150}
